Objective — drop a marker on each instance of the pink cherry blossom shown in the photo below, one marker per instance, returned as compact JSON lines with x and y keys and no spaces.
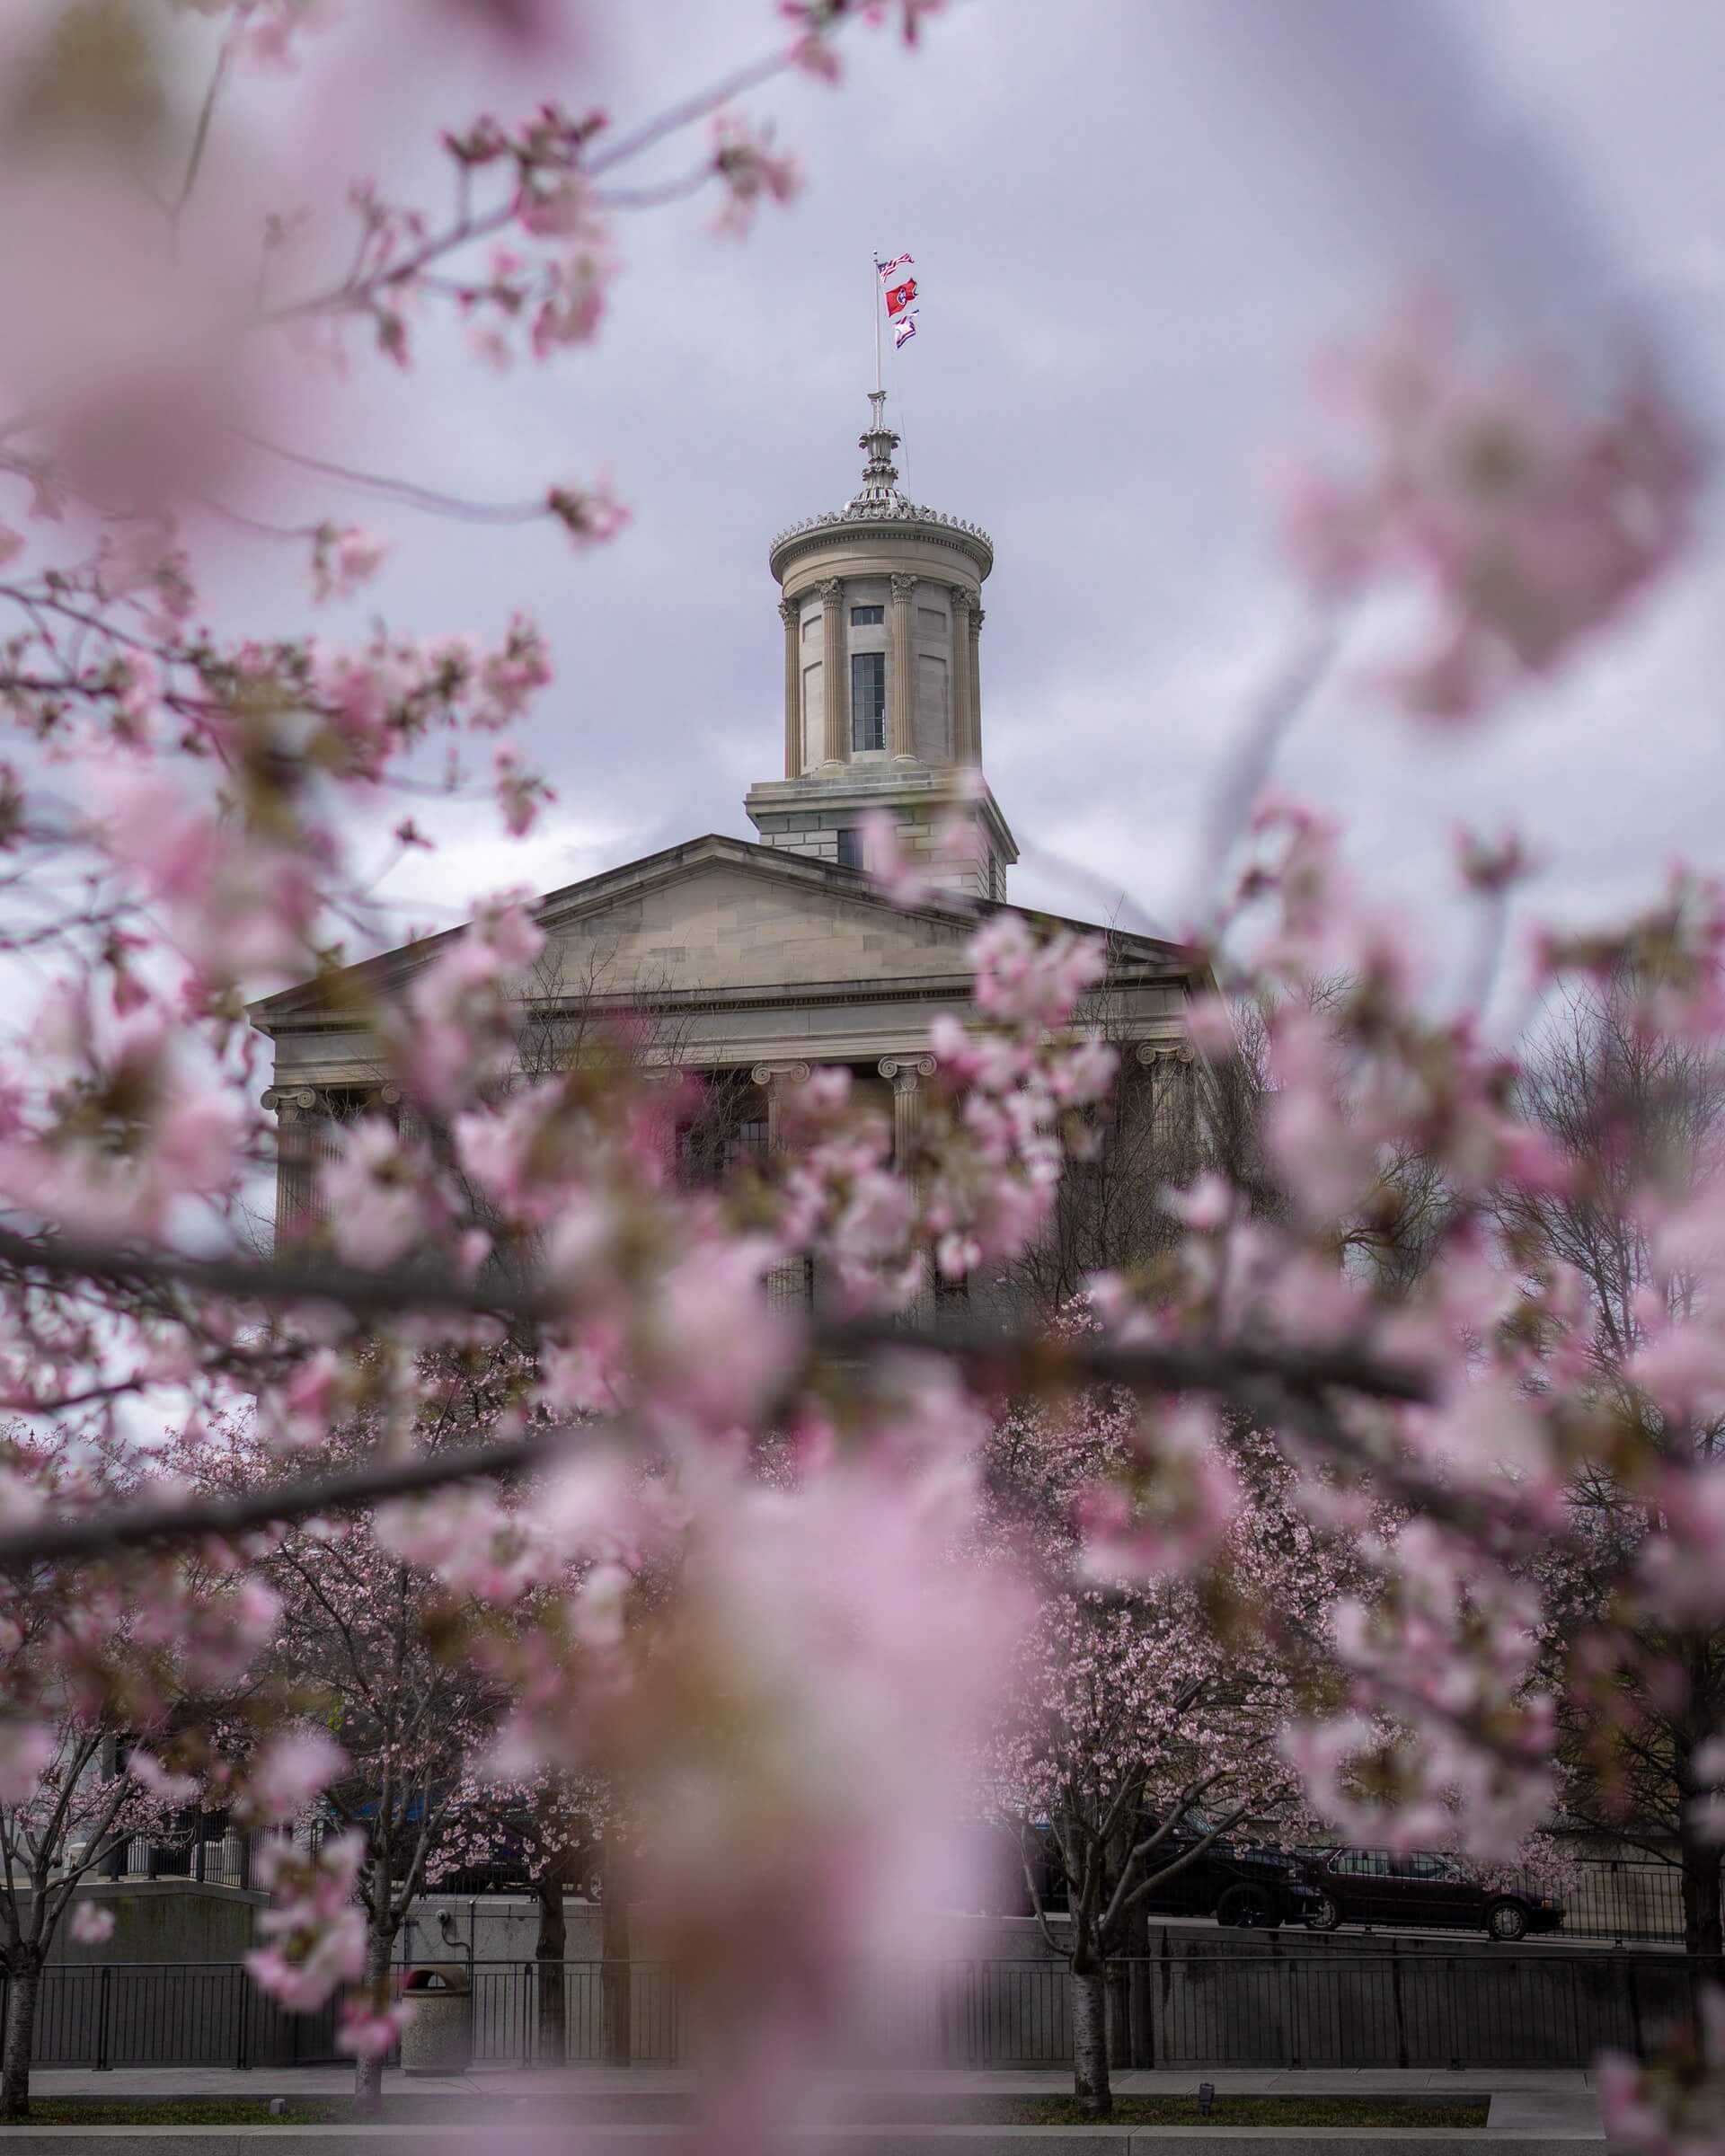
{"x":750,"y":172}
{"x":92,"y":1925}
{"x":26,"y":1751}
{"x":342,"y":561}
{"x":1526,"y":518}
{"x":293,"y":1768}
{"x":368,"y":2032}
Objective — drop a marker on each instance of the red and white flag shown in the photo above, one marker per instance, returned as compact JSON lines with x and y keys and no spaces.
{"x":901,"y":293}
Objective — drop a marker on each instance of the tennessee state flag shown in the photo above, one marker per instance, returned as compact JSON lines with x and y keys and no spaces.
{"x":900,"y":297}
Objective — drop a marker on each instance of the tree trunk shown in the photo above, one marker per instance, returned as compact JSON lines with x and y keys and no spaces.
{"x":1118,"y":1989}
{"x":1141,"y":1990}
{"x":548,"y":1953}
{"x":615,"y":1975}
{"x":1702,"y":1860}
{"x":24,"y":1989}
{"x":368,"y":2072}
{"x":1089,"y":2083}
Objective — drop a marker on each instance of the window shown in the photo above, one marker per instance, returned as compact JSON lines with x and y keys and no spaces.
{"x":1363,"y":1864}
{"x":850,"y":849}
{"x":867,"y":617}
{"x":1421,"y":1868}
{"x":868,"y":700}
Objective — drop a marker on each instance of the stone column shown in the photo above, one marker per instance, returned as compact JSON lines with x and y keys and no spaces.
{"x":976,"y":682}
{"x":789,"y":1287}
{"x":836,"y":675}
{"x":295,"y":1110}
{"x":791,"y":614}
{"x":963,"y":752}
{"x":901,"y":687}
{"x":905,"y":1072}
{"x":1172,"y":1066}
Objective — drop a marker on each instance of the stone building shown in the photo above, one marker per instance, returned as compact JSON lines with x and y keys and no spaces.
{"x":759,"y":958}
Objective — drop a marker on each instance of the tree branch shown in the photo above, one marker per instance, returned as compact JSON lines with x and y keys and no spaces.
{"x":1224,"y":1366}
{"x":103,"y":1532}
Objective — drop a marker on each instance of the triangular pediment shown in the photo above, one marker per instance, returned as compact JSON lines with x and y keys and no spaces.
{"x":723,"y":918}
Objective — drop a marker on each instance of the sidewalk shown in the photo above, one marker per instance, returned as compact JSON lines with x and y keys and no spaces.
{"x":508,"y":2082}
{"x":634,"y":2112}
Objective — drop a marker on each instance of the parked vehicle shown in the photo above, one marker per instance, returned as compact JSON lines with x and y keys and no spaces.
{"x":1370,"y":1886}
{"x":1236,"y":1882}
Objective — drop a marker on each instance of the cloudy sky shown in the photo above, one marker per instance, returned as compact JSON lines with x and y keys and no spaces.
{"x":1135,"y":224}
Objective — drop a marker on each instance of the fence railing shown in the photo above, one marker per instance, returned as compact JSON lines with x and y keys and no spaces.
{"x":1628,"y":1901}
{"x":1493,"y":2007}
{"x":1619,"y":1898}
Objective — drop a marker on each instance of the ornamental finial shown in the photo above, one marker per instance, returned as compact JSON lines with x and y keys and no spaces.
{"x":879,"y":495}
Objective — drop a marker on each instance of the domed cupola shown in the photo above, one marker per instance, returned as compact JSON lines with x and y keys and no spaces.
{"x":883,"y":611}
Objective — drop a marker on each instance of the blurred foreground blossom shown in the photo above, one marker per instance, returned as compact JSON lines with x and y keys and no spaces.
{"x":1525,"y":515}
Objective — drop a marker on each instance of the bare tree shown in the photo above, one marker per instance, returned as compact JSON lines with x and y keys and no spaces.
{"x":1622,"y":1108}
{"x":1165,"y":1120}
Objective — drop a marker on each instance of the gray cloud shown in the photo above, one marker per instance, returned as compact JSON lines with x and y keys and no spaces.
{"x":1134,"y":224}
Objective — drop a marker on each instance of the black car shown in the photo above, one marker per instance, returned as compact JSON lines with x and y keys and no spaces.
{"x":1371,"y":1886}
{"x":1236,"y":1882}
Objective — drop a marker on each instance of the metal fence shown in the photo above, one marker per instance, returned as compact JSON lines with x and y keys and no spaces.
{"x":1618,"y":1898}
{"x":169,"y":2014}
{"x":1182,"y":2007}
{"x":1627,"y":1901}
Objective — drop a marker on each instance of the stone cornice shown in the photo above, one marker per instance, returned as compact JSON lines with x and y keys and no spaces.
{"x":929,"y":525}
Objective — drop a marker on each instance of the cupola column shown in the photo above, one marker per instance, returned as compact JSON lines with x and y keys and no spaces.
{"x":976,"y":682}
{"x":964,"y":749}
{"x":901,"y":738}
{"x":791,"y":614}
{"x":837,"y":691}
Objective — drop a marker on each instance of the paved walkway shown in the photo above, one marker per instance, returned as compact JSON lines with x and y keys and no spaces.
{"x":1522,"y":2101}
{"x":1532,"y":2114}
{"x":263,"y":2081}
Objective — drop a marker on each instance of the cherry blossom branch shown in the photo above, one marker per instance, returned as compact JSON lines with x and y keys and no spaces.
{"x":406,"y":491}
{"x":102,"y":1534}
{"x":1231,"y":1366}
{"x":1224,"y":1367}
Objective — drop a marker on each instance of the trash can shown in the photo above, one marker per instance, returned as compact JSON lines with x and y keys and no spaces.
{"x":438,"y":2034}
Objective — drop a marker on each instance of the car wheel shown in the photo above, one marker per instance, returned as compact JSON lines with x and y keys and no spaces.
{"x":1326,"y":1916}
{"x":1246,"y":1906}
{"x":1507,"y":1920}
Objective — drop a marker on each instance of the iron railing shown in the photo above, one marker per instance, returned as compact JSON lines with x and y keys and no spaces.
{"x":1627,"y":1901}
{"x":1321,"y":2006}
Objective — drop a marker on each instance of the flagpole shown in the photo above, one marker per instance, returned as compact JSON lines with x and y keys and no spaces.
{"x":874,"y":290}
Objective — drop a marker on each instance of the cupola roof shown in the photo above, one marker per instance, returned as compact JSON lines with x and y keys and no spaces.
{"x":880,"y":507}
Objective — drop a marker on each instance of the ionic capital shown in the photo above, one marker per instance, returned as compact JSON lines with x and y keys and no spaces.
{"x":904,"y":1070}
{"x":1162,"y":1051}
{"x":288,"y":1101}
{"x":793,"y":1074}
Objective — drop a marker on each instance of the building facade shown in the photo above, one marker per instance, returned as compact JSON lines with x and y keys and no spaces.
{"x":757,"y":960}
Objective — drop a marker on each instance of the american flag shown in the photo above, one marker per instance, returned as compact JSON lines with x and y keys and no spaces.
{"x":898,"y":261}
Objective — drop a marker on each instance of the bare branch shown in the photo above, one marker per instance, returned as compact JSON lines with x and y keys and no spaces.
{"x":103,"y":1532}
